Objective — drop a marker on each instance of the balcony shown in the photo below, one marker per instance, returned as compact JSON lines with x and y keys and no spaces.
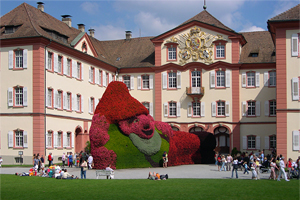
{"x":195,"y":92}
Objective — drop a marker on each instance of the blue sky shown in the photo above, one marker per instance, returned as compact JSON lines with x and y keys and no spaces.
{"x":111,"y":19}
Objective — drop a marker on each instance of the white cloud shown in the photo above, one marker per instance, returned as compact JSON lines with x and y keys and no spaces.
{"x":152,"y":25}
{"x":252,"y":29}
{"x":90,"y":7}
{"x":109,"y":32}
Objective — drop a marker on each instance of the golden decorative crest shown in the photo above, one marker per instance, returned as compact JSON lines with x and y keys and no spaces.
{"x":196,"y":45}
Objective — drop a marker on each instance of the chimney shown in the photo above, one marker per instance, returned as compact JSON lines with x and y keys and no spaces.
{"x":66,"y":19}
{"x":128,"y":35}
{"x":92,"y":32}
{"x":40,"y":6}
{"x":81,"y":27}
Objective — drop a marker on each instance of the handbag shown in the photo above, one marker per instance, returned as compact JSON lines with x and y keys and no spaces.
{"x":84,"y":169}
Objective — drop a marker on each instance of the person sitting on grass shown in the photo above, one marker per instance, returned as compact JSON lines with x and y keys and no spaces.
{"x":66,"y":175}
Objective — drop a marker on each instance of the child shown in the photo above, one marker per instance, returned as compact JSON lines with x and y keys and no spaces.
{"x":246,"y":168}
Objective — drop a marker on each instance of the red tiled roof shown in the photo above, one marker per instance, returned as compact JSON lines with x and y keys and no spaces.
{"x":289,"y":15}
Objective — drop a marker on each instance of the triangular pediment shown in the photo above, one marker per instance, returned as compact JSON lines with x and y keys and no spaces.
{"x":83,"y":43}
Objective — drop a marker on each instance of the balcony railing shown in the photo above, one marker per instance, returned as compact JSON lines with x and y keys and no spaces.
{"x":195,"y":92}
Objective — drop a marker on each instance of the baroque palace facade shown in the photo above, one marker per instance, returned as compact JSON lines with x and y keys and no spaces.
{"x":199,"y":76}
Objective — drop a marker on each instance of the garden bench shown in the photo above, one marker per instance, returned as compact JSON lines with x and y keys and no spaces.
{"x":104,"y":172}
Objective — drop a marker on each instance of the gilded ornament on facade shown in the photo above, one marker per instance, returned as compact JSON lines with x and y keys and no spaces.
{"x":196,"y":45}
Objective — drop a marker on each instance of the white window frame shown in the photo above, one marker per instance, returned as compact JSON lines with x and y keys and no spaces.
{"x":196,"y":108}
{"x":59,"y":64}
{"x":127,"y":81}
{"x":251,"y":142}
{"x":221,"y":108}
{"x":145,"y":81}
{"x":272,"y":141}
{"x":19,"y":96}
{"x":250,"y":79}
{"x":19,"y":138}
{"x":196,"y":79}
{"x":220,"y":78}
{"x":272,"y":78}
{"x":19,"y":59}
{"x":68,"y":142}
{"x":172,"y":53}
{"x":172,"y":80}
{"x":220,"y":51}
{"x":172,"y":109}
{"x":272,"y":105}
{"x":251,"y":108}
{"x":49,"y":139}
{"x":49,"y":61}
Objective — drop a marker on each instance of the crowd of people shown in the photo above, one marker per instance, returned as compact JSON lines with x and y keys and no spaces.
{"x":257,"y":163}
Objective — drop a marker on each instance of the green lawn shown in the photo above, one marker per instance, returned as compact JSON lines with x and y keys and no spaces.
{"x":16,"y":187}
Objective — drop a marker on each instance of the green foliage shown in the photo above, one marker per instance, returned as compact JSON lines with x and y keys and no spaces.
{"x":234,"y":152}
{"x":87,"y":148}
{"x":16,"y":187}
{"x":127,"y":154}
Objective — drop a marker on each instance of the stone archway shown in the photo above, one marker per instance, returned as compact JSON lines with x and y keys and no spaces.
{"x":78,"y":139}
{"x":222,"y":140}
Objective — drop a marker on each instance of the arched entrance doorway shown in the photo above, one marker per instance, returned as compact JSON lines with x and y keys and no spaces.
{"x":222,"y":140}
{"x":78,"y":139}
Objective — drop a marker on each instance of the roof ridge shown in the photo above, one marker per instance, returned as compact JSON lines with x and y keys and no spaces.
{"x":284,"y":13}
{"x":30,"y":18}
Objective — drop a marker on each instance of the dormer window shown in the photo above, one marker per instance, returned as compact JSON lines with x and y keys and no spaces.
{"x":10,"y":29}
{"x":84,"y":48}
{"x":253,"y":55}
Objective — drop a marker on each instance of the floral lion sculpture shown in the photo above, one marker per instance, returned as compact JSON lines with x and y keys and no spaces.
{"x":123,"y":133}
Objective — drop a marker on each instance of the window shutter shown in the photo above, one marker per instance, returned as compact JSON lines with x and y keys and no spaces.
{"x":73,"y":140}
{"x":178,"y":79}
{"x":25,"y":52}
{"x":55,"y":62}
{"x":10,"y":59}
{"x":244,"y":79}
{"x":266,"y":79}
{"x":295,"y":43}
{"x":55,"y":98}
{"x":267,"y":142}
{"x":227,"y":109}
{"x":296,"y":141}
{"x":132,"y":82}
{"x":65,"y":139}
{"x":166,"y":109}
{"x":121,"y":79}
{"x":266,"y":108}
{"x":46,"y":135}
{"x":212,"y":79}
{"x":213,"y":109}
{"x":25,"y":103}
{"x":257,"y":79}
{"x":244,"y":142}
{"x":81,"y":103}
{"x":82,"y":70}
{"x":90,"y":74}
{"x":257,"y":143}
{"x":189,"y":109}
{"x":97,"y":74}
{"x":151,"y":109}
{"x":109,"y":78}
{"x":104,"y":78}
{"x":74,"y":69}
{"x":96,"y":102}
{"x":46,"y":67}
{"x":202,"y":109}
{"x":64,"y":100}
{"x":244,"y":109}
{"x":164,"y":80}
{"x":55,"y":139}
{"x":139,"y":82}
{"x":65,"y":66}
{"x":47,"y":100}
{"x":25,"y":139}
{"x":257,"y":108}
{"x":10,"y":97}
{"x":227,"y":78}
{"x":90,"y":108}
{"x":295,"y":89}
{"x":151,"y":82}
{"x":178,"y":109}
{"x":74,"y":102}
{"x":10,"y":139}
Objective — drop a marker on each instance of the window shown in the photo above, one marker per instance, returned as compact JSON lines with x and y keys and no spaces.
{"x":18,"y":138}
{"x":126,"y":80}
{"x":49,"y":61}
{"x":220,"y":78}
{"x":78,"y":102}
{"x":59,"y":138}
{"x":196,"y":79}
{"x":67,"y":101}
{"x":196,"y":109}
{"x":78,"y":70}
{"x":68,"y":70}
{"x":68,"y":142}
{"x":92,"y":75}
{"x":171,"y":53}
{"x":91,"y":105}
{"x":172,"y":80}
{"x":18,"y":96}
{"x":59,"y":64}
{"x":19,"y":59}
{"x":146,"y":104}
{"x":272,"y":141}
{"x":295,"y":89}
{"x":272,"y":78}
{"x":251,"y":108}
{"x":295,"y":44}
{"x":251,"y":79}
{"x":172,"y":109}
{"x":220,"y":51}
{"x":49,"y":100}
{"x":272,"y":104}
{"x":49,"y":139}
{"x":221,"y":108}
{"x":145,"y":82}
{"x":251,"y":142}
{"x":99,"y":77}
{"x":59,"y":99}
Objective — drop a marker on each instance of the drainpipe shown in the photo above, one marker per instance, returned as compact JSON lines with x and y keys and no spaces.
{"x":45,"y":98}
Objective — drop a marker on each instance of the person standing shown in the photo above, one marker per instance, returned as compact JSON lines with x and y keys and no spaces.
{"x":90,"y":161}
{"x":50,"y":159}
{"x":83,"y":169}
{"x":223,"y":163}
{"x":235,"y":167}
{"x":165,"y":159}
{"x":289,"y":166}
{"x":70,"y":160}
{"x":228,"y":164}
{"x":281,"y":170}
{"x":63,"y":159}
{"x":42,"y":162}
